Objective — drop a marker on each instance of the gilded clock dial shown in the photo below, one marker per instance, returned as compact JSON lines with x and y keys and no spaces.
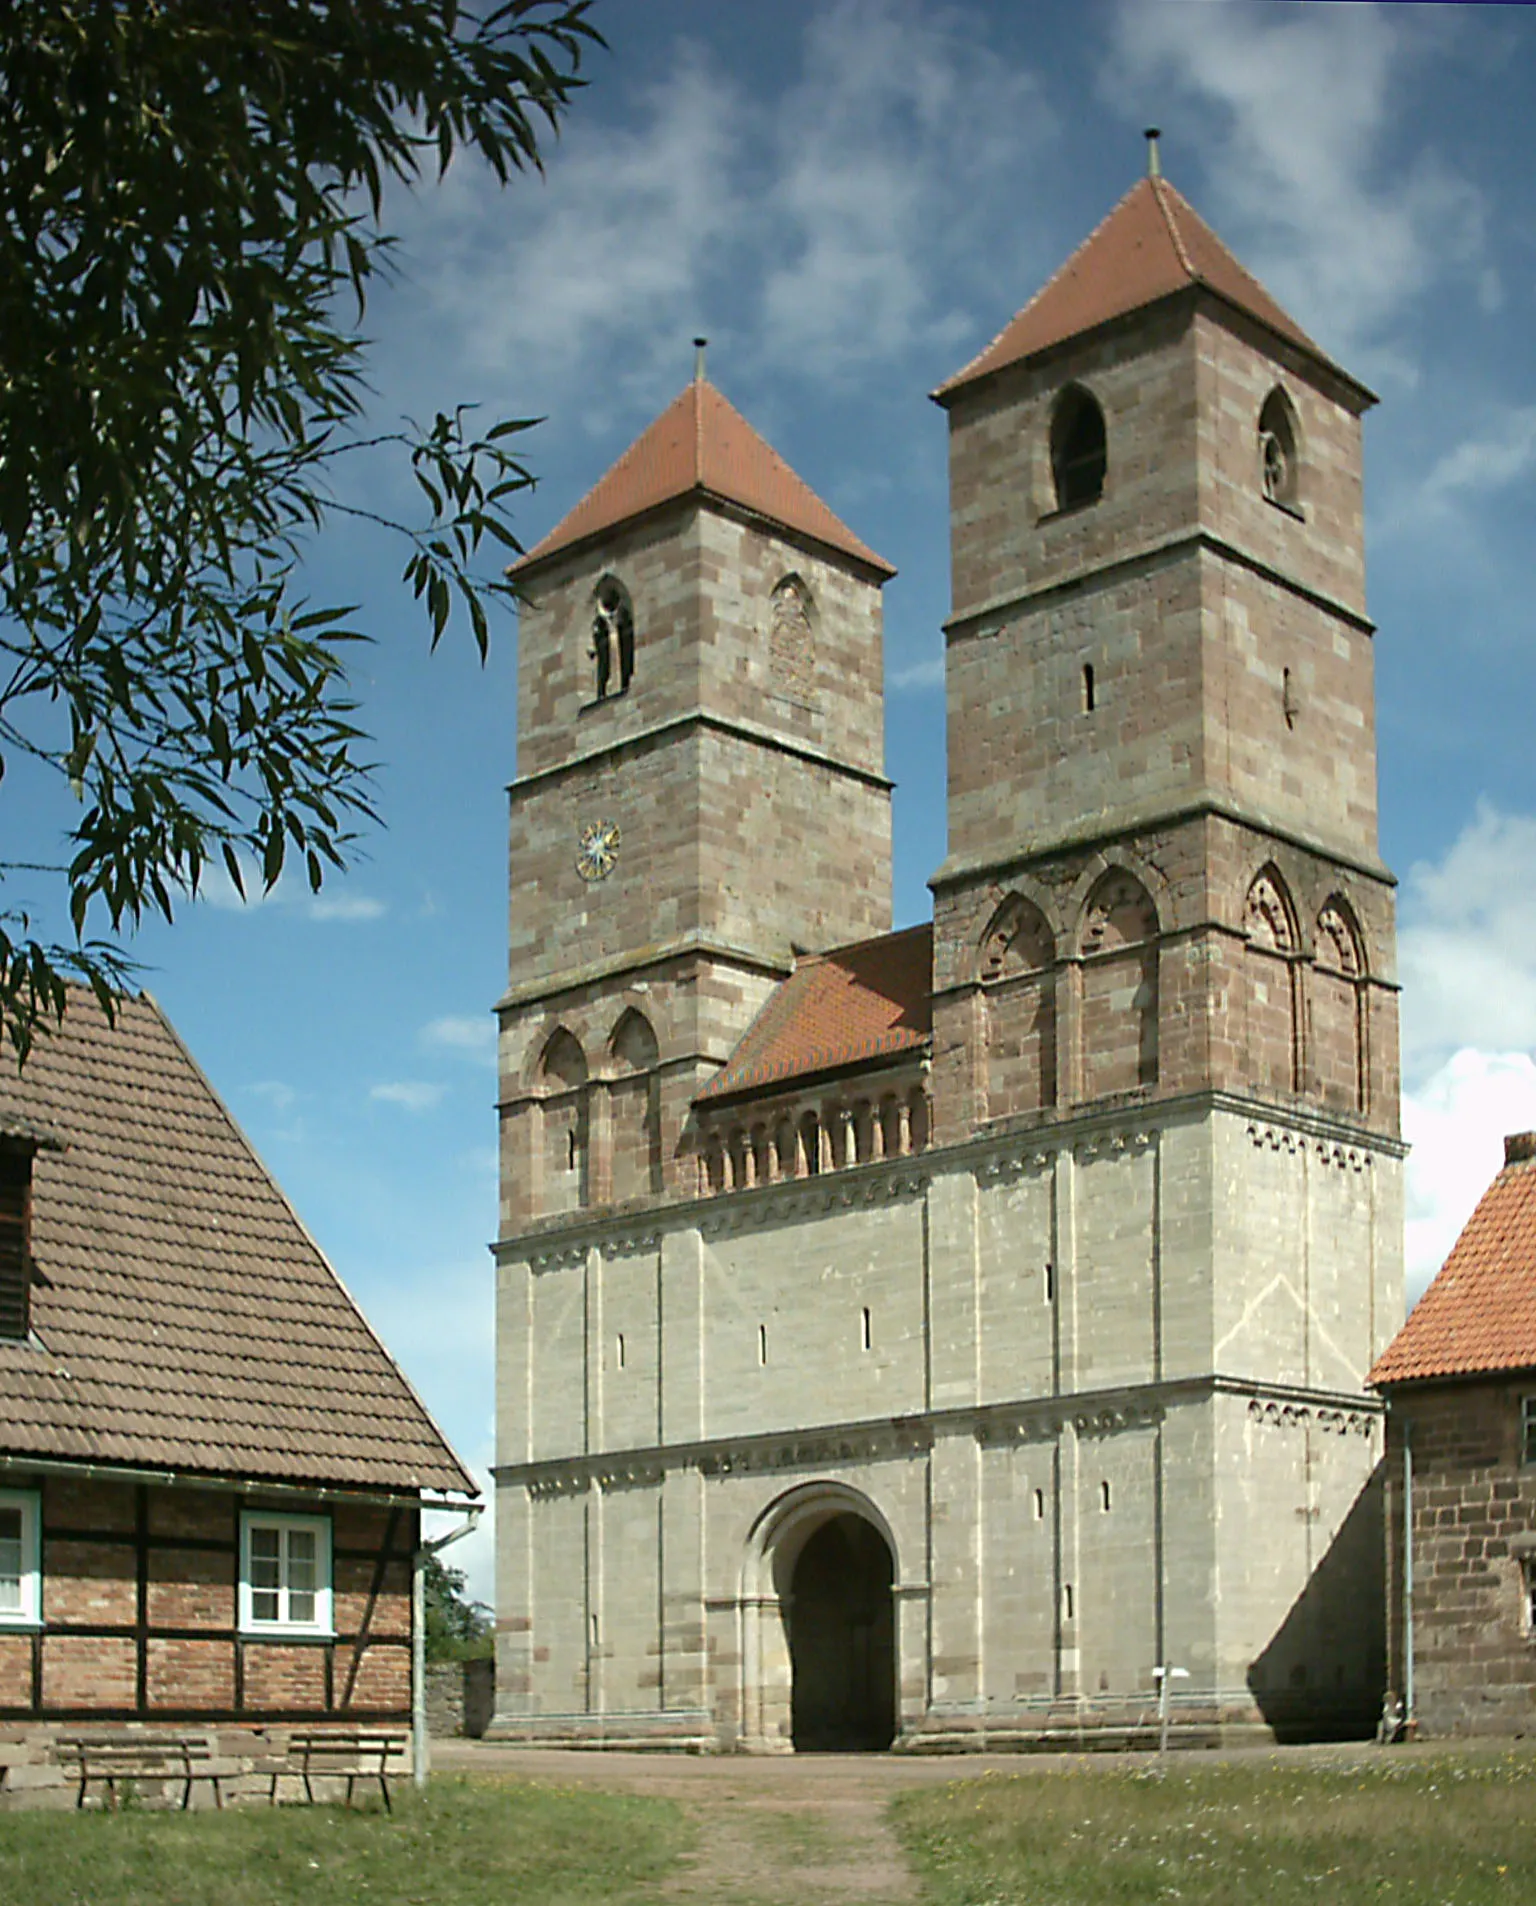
{"x":599,"y":850}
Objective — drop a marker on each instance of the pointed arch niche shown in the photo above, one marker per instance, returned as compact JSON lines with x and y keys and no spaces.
{"x":562,"y":1083}
{"x":1015,"y":966}
{"x":792,"y":638}
{"x":1271,"y":1016}
{"x":634,"y":1107}
{"x":1117,"y":1018}
{"x":1336,"y":1008}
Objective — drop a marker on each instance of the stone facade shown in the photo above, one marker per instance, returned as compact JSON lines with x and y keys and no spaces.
{"x":1474,"y":1551}
{"x":1072,"y":1307}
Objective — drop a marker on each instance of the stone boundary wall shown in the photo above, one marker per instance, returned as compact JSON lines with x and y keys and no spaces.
{"x":461,"y":1696}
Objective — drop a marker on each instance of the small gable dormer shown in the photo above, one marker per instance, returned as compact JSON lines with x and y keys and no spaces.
{"x":15,"y":1238}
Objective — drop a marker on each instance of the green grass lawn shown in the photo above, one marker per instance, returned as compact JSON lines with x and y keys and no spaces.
{"x":1457,"y":1830}
{"x":463,"y":1844}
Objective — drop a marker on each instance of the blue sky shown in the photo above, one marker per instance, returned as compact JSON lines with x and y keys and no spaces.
{"x":850,"y":197}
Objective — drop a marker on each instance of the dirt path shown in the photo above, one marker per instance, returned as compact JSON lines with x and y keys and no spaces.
{"x":770,"y":1831}
{"x":782,"y":1828}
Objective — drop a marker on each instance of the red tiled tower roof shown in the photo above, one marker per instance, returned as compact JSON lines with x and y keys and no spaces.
{"x":1479,"y":1315}
{"x":702,"y":445}
{"x":1151,"y":245}
{"x":857,"y":1002}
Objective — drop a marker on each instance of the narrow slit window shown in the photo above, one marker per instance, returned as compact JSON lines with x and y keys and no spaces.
{"x":1104,"y":1497}
{"x":594,"y":1631}
{"x":1088,"y":688}
{"x":1066,"y":1600}
{"x":762,"y":1343}
{"x":864,"y":1328}
{"x":570,"y":1149}
{"x":1050,"y":1283}
{"x":1039,"y":1505}
{"x":619,"y":1349}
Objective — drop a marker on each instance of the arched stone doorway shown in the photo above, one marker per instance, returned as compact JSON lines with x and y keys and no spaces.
{"x":842,"y":1641}
{"x":819,"y":1636}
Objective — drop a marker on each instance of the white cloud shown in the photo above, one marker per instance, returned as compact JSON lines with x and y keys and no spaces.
{"x":344,"y":906}
{"x":217,"y":890}
{"x":828,"y":227}
{"x":471,"y":1034}
{"x":879,"y":148}
{"x":1297,"y":152}
{"x":1467,"y":961}
{"x":279,"y":1096}
{"x":613,"y":244}
{"x":929,"y":674}
{"x":1467,"y":944}
{"x":1492,"y":461}
{"x":414,"y":1095}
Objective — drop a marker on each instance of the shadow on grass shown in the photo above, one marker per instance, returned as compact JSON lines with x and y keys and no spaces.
{"x":463,"y":1843}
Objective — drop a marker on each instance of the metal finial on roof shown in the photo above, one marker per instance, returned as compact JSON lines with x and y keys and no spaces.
{"x":699,"y":345}
{"x":1154,"y":163}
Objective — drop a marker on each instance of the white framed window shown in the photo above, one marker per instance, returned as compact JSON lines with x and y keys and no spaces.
{"x":1528,"y":1431}
{"x":285,"y":1574}
{"x":21,"y":1582}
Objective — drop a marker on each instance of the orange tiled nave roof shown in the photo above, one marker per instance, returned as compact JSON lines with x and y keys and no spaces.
{"x":857,"y":1002}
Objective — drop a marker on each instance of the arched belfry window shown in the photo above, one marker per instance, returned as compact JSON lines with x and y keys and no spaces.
{"x":613,"y":639}
{"x":1079,"y":451}
{"x":1279,"y":470}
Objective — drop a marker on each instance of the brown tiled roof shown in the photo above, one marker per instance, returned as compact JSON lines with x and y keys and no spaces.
{"x":183,"y":1318}
{"x":701,"y":444}
{"x":1151,"y":245}
{"x":857,"y":1002}
{"x":1480,"y":1312}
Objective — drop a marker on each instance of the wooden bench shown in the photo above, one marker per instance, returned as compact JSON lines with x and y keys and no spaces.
{"x":125,"y":1758}
{"x":352,"y":1754}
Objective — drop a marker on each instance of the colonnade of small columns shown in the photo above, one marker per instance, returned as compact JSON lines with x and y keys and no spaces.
{"x":805,"y":1144}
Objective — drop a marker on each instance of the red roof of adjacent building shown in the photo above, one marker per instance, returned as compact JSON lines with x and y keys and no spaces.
{"x":856,"y":1002}
{"x":1151,"y":245}
{"x":701,"y":445}
{"x":1479,"y":1315}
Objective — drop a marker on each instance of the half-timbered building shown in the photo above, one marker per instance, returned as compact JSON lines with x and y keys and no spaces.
{"x":211,"y":1470}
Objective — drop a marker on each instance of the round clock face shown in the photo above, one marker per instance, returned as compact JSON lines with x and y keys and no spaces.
{"x":599,"y":850}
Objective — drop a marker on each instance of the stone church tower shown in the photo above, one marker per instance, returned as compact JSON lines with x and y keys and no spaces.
{"x":925,"y":1337}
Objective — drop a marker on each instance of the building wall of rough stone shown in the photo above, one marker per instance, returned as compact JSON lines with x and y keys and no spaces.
{"x":1045,"y":1322}
{"x":1474,"y":1541}
{"x":701,"y":581}
{"x":1088,"y":1352}
{"x":1228,"y":1010}
{"x":742,"y":768}
{"x":1225,"y":634}
{"x":1181,"y":388}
